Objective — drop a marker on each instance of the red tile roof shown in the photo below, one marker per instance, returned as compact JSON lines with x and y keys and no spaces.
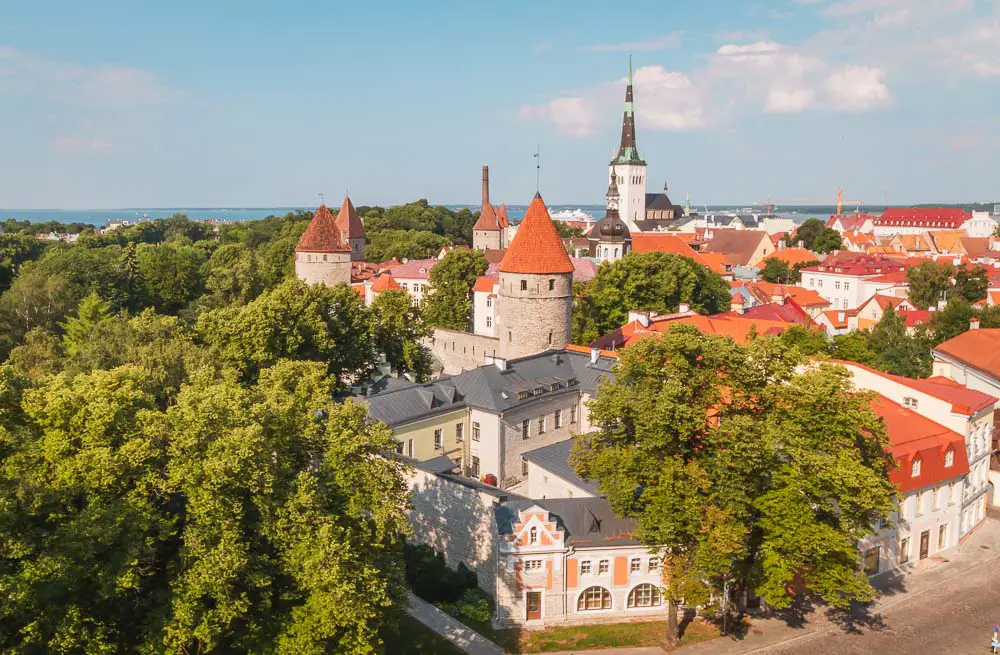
{"x":322,"y":234}
{"x":385,"y":282}
{"x":850,"y":222}
{"x":791,"y":256}
{"x":915,"y":317}
{"x":738,"y":246}
{"x":963,"y":400}
{"x":914,"y":437}
{"x":349,"y":222}
{"x":856,"y":264}
{"x":488,"y":220}
{"x":937,"y":217}
{"x":676,"y":245}
{"x":486,"y":283}
{"x":978,"y":349}
{"x":835,"y":320}
{"x":765,"y":291}
{"x":536,"y":248}
{"x":414,"y":269}
{"x":735,"y":326}
{"x":790,"y":312}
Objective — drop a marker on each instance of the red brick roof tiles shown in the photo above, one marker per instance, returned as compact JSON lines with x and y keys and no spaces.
{"x":385,"y":282}
{"x":349,"y":222}
{"x":537,"y":247}
{"x":937,"y":217}
{"x":488,"y":220}
{"x":978,"y":349}
{"x":791,"y":256}
{"x":322,"y":234}
{"x":486,"y":283}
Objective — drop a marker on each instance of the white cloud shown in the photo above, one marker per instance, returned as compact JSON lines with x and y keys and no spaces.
{"x":664,"y":42}
{"x":789,"y":101}
{"x":96,"y":87}
{"x":857,"y":88}
{"x":572,"y":116}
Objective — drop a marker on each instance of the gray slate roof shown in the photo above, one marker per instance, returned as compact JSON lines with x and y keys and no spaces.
{"x":588,"y":522}
{"x":555,"y":459}
{"x":414,"y":402}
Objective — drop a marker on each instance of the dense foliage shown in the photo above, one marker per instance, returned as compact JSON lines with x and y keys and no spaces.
{"x":816,"y":236}
{"x":448,"y":304}
{"x":779,"y":272}
{"x":652,"y":281}
{"x":743,"y":473}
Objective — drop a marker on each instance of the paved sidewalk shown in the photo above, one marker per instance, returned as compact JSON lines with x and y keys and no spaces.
{"x":454,"y":631}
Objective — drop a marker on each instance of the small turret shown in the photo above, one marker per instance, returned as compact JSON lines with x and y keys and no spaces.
{"x":321,"y":256}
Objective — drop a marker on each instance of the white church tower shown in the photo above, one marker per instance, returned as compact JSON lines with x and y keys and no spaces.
{"x":629,"y":167}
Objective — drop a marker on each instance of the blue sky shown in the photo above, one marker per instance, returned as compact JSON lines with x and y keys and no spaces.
{"x":122,"y":103}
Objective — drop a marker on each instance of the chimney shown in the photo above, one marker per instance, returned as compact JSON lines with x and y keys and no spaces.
{"x":973,"y":323}
{"x":642,"y":317}
{"x":781,"y":244}
{"x":802,"y":244}
{"x":736,"y":304}
{"x":486,"y":185}
{"x":684,"y":308}
{"x":595,"y":354}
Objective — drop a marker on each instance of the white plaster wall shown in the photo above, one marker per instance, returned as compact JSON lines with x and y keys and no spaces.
{"x":542,"y":483}
{"x":487,"y":449}
{"x":633,"y":195}
{"x":483,"y":306}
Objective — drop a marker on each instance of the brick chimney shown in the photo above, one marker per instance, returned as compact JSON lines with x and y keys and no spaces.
{"x":973,"y":323}
{"x":486,"y":185}
{"x":736,"y":304}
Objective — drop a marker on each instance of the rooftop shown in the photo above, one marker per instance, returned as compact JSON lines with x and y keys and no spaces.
{"x":555,"y":459}
{"x":349,"y":222}
{"x":536,"y":248}
{"x":322,"y":234}
{"x":978,"y":349}
{"x":587,"y":522}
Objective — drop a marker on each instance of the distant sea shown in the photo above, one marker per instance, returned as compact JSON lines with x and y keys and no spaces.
{"x":101,"y":216}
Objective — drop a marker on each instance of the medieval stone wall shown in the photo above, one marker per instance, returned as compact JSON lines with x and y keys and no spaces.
{"x":461,"y":351}
{"x":535,"y":316}
{"x":487,"y":239}
{"x":323,"y":268}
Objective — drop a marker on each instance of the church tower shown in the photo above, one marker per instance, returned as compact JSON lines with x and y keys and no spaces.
{"x":352,"y":230}
{"x":321,"y":256}
{"x":535,"y":303}
{"x":614,"y":239}
{"x":629,"y":166}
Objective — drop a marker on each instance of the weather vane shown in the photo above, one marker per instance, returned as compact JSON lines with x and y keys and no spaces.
{"x":538,"y":167}
{"x":322,"y":198}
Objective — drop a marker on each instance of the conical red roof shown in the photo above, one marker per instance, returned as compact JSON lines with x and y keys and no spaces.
{"x":349,"y":222}
{"x":322,"y":235}
{"x":537,"y":247}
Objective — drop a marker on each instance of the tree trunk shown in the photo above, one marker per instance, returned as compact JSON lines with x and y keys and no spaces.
{"x":672,"y":626}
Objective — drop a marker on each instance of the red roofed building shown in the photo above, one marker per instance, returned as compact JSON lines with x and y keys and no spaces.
{"x":535,"y":301}
{"x":675,"y":245}
{"x":484,"y":304}
{"x":490,"y":231}
{"x":848,"y":279}
{"x":791,"y":256}
{"x":735,"y":326}
{"x":352,"y":230}
{"x":904,"y":220}
{"x":843,"y":223}
{"x":321,"y":256}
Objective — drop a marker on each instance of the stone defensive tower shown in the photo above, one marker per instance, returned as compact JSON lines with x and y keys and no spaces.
{"x":535,"y":304}
{"x":321,"y":256}
{"x":352,"y":230}
{"x":490,"y":231}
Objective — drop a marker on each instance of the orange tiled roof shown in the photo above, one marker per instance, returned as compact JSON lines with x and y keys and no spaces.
{"x":322,"y":234}
{"x":675,"y":245}
{"x":488,"y":220}
{"x":359,"y":289}
{"x":586,"y":349}
{"x":833,"y":316}
{"x":735,"y":326}
{"x":979,"y":349}
{"x":485,"y":283}
{"x":791,"y":256}
{"x":385,"y":282}
{"x":349,"y":222}
{"x":537,"y":247}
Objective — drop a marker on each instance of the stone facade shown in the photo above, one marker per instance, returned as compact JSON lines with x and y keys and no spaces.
{"x":542,"y":431}
{"x":461,"y":351}
{"x":327,"y":268}
{"x":487,"y":240}
{"x":357,"y":249}
{"x":534,"y":313}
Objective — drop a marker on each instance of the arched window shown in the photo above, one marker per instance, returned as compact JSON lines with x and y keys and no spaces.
{"x":533,"y":536}
{"x":645,"y":595}
{"x":616,"y":253}
{"x":594,"y":598}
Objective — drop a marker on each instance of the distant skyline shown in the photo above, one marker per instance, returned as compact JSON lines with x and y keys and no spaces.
{"x":261,"y":104}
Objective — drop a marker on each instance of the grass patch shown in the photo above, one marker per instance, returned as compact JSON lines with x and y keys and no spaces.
{"x":414,"y":638}
{"x":610,"y":635}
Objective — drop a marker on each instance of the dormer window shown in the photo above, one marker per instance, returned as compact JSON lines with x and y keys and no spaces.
{"x":949,"y":458}
{"x":910,"y":402}
{"x":533,"y":536}
{"x":915,"y":468}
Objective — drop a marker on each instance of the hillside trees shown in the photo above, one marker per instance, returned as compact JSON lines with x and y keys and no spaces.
{"x":404,"y":244}
{"x":652,"y":281}
{"x":739,"y":470}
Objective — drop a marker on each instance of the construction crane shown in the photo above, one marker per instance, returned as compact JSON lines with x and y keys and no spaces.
{"x":770,"y":203}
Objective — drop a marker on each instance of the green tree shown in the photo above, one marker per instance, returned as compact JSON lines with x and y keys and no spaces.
{"x":233,"y":274}
{"x":896,"y":350}
{"x":652,"y":281}
{"x":807,"y":341}
{"x":853,"y":347}
{"x":37,"y":299}
{"x":171,"y":274}
{"x":953,"y":320}
{"x":79,"y":329}
{"x":15,"y":250}
{"x":294,"y":321}
{"x":971,"y":284}
{"x":567,"y":231}
{"x":777,"y":271}
{"x":739,"y":470}
{"x":239,"y":520}
{"x":990,"y":316}
{"x":816,"y":236}
{"x":397,"y":328}
{"x":41,"y":354}
{"x":448,"y":304}
{"x":404,"y":244}
{"x":88,"y":270}
{"x":929,"y":282}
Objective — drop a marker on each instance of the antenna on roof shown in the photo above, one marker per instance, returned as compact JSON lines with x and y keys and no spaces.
{"x":538,"y":167}
{"x":322,"y":198}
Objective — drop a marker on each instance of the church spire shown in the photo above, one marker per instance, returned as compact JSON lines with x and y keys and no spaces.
{"x":628,"y":153}
{"x":612,"y":196}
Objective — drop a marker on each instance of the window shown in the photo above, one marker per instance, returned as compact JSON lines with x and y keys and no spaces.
{"x":910,"y":402}
{"x":460,"y":432}
{"x":920,"y":503}
{"x":871,"y":560}
{"x":915,"y":468}
{"x":572,"y":415}
{"x":525,"y":425}
{"x":489,"y":301}
{"x":524,"y":466}
{"x":399,"y":448}
{"x":951,"y":493}
{"x":324,"y":257}
{"x":557,"y":419}
{"x":836,"y":285}
{"x":585,"y":567}
{"x":541,"y":425}
{"x":645,"y":595}
{"x":475,"y":430}
{"x":437,"y":439}
{"x":934,"y":498}
{"x":533,"y":536}
{"x":524,"y":285}
{"x":819,"y":283}
{"x":654,"y":564}
{"x":533,"y":565}
{"x":949,"y":459}
{"x":943,"y":537}
{"x":409,"y":447}
{"x":550,"y":337}
{"x":904,"y":550}
{"x":810,"y":281}
{"x":594,"y":598}
{"x":552,"y":285}
{"x":489,"y":321}
{"x":602,"y":567}
{"x":847,"y":286}
{"x":635,"y":565}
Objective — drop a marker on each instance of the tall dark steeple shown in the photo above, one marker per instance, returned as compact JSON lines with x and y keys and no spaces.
{"x":628,"y":152}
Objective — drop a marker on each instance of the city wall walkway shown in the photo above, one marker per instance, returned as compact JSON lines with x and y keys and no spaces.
{"x":451,"y":629}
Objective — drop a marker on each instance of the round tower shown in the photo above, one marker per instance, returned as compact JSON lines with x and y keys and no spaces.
{"x":535,"y":303}
{"x":321,"y":257}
